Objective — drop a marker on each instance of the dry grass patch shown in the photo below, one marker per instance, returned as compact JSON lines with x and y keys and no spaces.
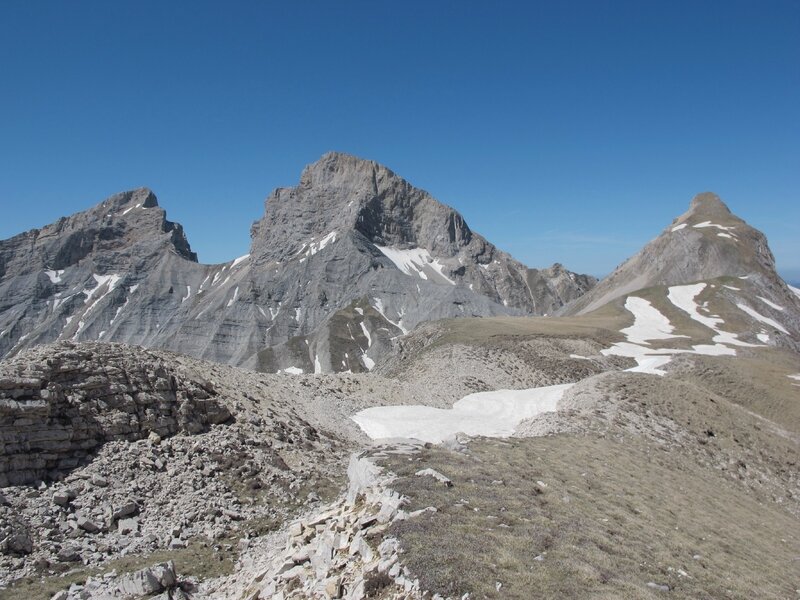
{"x":612,"y":517}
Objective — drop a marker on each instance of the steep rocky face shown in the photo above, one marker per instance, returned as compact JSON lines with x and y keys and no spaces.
{"x":339,"y":267}
{"x":73,"y":279}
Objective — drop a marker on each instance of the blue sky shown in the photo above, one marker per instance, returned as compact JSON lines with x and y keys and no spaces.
{"x":565,"y":131}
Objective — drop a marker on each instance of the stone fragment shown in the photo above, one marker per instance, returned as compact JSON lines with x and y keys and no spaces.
{"x":436,"y":475}
{"x":333,"y":587}
{"x":61,"y":498}
{"x":88,"y":525}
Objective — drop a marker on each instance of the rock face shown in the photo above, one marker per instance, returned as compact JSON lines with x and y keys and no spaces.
{"x":57,"y":411}
{"x":706,"y":242}
{"x":122,"y":450}
{"x":339,"y":267}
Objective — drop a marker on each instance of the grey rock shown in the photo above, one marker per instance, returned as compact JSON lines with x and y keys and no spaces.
{"x":62,"y":498}
{"x":88,"y":525}
{"x":319,"y":290}
{"x":436,"y":475}
{"x":126,"y":526}
{"x":125,"y":510}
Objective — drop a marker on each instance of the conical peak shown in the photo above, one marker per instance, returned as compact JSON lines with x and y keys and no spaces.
{"x":708,"y":203}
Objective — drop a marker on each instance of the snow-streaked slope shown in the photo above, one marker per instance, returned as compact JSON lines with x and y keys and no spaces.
{"x":416,"y":262}
{"x":759,"y":317}
{"x":683,"y":297}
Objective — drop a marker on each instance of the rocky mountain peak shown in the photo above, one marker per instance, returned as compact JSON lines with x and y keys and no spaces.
{"x":706,"y":242}
{"x":341,"y":170}
{"x":345,"y":194}
{"x":708,"y":203}
{"x":143,"y":197}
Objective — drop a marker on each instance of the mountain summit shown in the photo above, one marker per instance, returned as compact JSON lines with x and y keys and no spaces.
{"x":340,"y":266}
{"x":705,"y":242}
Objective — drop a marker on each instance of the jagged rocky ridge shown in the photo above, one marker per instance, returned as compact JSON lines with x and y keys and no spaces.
{"x":339,"y":267}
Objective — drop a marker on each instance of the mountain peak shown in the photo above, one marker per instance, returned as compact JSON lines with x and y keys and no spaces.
{"x":706,"y":242}
{"x":340,"y":168}
{"x":708,"y":204}
{"x":142,"y":196}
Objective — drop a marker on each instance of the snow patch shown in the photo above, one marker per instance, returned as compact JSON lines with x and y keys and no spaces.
{"x":759,"y":317}
{"x":763,"y":337}
{"x":55,"y":276}
{"x":769,"y":303}
{"x":730,"y":287}
{"x":413,"y":261}
{"x":127,"y":210}
{"x":648,"y":323}
{"x":494,"y":414}
{"x":705,"y":224}
{"x":188,"y":293}
{"x":292,"y":371}
{"x":366,"y":334}
{"x":317,"y":365}
{"x":683,"y":297}
{"x":726,"y":235}
{"x":360,"y":311}
{"x":678,"y":227}
{"x":378,"y":306}
{"x":368,"y":362}
{"x":795,"y":291}
{"x":238,"y":261}
{"x":235,"y":295}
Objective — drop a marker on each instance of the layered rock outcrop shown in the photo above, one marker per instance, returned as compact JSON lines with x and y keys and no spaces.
{"x":55,"y":412}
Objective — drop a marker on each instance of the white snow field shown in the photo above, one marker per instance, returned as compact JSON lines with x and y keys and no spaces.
{"x":494,"y":414}
{"x":795,"y":291}
{"x":759,"y":317}
{"x":648,"y":322}
{"x":678,"y":227}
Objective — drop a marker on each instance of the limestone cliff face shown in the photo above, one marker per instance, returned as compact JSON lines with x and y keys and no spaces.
{"x":339,"y":267}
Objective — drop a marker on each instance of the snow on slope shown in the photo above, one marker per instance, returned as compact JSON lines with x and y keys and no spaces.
{"x":648,"y":324}
{"x":683,"y":297}
{"x":413,"y":261}
{"x":495,"y":414}
{"x":759,"y":317}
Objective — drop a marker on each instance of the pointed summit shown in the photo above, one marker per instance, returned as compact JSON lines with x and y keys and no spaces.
{"x":706,"y":242}
{"x":708,"y":204}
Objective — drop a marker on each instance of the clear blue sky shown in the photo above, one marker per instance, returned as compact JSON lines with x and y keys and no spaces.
{"x":569,"y":131}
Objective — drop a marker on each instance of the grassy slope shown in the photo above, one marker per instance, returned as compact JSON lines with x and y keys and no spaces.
{"x":617,"y":514}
